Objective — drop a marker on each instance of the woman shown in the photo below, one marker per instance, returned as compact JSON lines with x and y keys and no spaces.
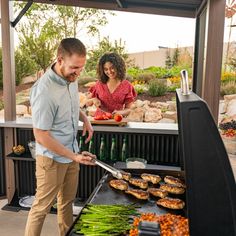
{"x":112,"y":92}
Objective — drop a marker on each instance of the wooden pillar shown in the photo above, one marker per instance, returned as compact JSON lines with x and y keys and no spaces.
{"x":9,"y":95}
{"x":208,"y":53}
{"x":213,"y":55}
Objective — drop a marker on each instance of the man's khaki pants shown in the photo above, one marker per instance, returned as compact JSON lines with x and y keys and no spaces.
{"x":54,"y":180}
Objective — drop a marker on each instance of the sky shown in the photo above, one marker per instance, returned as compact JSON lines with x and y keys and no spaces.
{"x":146,"y":32}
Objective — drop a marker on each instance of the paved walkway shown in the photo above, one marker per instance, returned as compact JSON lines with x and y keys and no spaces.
{"x":13,"y":223}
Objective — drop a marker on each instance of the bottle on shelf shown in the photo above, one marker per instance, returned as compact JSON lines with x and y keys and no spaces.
{"x":81,"y":146}
{"x":102,"y":150}
{"x":124,"y":151}
{"x":113,"y":154}
{"x":91,"y":148}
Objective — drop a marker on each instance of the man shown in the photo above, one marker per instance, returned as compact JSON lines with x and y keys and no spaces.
{"x":55,"y":114}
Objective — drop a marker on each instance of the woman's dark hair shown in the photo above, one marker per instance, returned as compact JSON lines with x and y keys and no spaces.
{"x":118,"y":63}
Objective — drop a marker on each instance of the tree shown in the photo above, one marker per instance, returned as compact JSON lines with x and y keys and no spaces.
{"x":230,"y":11}
{"x":41,"y":46}
{"x":185,"y":59}
{"x":24,"y":67}
{"x":176,"y":55}
{"x":46,"y":25}
{"x":168,"y":61}
{"x":105,"y":46}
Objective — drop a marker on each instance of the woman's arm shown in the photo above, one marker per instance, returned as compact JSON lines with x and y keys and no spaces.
{"x":125,"y":111}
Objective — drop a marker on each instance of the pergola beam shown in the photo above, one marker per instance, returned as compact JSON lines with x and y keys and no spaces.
{"x":22,"y":13}
{"x":120,"y":4}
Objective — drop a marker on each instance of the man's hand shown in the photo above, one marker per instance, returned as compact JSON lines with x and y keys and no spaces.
{"x":85,"y":158}
{"x":87,"y":127}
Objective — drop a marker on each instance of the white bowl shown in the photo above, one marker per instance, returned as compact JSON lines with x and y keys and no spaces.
{"x":136,"y":163}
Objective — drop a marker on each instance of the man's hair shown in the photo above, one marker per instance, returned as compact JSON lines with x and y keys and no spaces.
{"x":69,"y":46}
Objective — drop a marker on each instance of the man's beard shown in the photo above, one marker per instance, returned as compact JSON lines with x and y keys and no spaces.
{"x":69,"y":77}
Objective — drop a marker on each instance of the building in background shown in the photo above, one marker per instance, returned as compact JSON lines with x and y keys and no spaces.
{"x":159,"y":57}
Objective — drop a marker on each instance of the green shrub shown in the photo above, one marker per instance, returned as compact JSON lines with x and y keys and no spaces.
{"x":145,"y":77}
{"x":25,"y":66}
{"x":156,"y":88}
{"x":173,"y":88}
{"x":140,"y":88}
{"x":228,"y":76}
{"x":132,"y":73}
{"x":228,"y":88}
{"x":159,"y":72}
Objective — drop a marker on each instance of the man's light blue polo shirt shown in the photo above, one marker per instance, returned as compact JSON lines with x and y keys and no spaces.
{"x":55,"y":107}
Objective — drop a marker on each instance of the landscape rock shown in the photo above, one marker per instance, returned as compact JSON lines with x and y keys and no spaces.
{"x":136,"y":115}
{"x":172,"y":105}
{"x":170,"y":115}
{"x":21,"y":110}
{"x":152,"y":115}
{"x":222,"y":107}
{"x":231,"y":107}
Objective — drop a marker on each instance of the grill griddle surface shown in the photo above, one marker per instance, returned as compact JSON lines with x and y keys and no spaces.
{"x":108,"y":195}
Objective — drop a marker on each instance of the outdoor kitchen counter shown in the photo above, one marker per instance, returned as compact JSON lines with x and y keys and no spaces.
{"x":132,"y":127}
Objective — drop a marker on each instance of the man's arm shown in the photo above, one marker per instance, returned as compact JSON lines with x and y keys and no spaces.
{"x":44,"y":138}
{"x":87,"y":127}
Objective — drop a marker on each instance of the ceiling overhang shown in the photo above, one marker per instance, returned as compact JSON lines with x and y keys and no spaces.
{"x":181,"y":8}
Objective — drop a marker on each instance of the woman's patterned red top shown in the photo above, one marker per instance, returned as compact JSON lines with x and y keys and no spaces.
{"x":122,"y":95}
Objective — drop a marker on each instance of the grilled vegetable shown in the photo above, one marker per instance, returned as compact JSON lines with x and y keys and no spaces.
{"x":105,"y":219}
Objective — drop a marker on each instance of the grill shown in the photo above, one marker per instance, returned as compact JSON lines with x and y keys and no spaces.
{"x":211,"y":188}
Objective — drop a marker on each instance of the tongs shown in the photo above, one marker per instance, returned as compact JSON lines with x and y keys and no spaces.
{"x":115,"y":172}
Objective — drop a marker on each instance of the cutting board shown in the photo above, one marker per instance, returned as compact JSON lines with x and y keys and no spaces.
{"x":124,"y":122}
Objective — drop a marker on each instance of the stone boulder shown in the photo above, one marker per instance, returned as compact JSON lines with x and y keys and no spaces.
{"x":21,"y":110}
{"x":170,"y":115}
{"x":152,"y":115}
{"x":136,"y":115}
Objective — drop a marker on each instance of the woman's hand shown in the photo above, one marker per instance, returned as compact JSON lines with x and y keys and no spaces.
{"x":93,"y":101}
{"x":96,"y":102}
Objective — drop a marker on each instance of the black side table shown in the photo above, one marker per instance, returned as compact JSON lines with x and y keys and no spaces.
{"x":14,"y":204}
